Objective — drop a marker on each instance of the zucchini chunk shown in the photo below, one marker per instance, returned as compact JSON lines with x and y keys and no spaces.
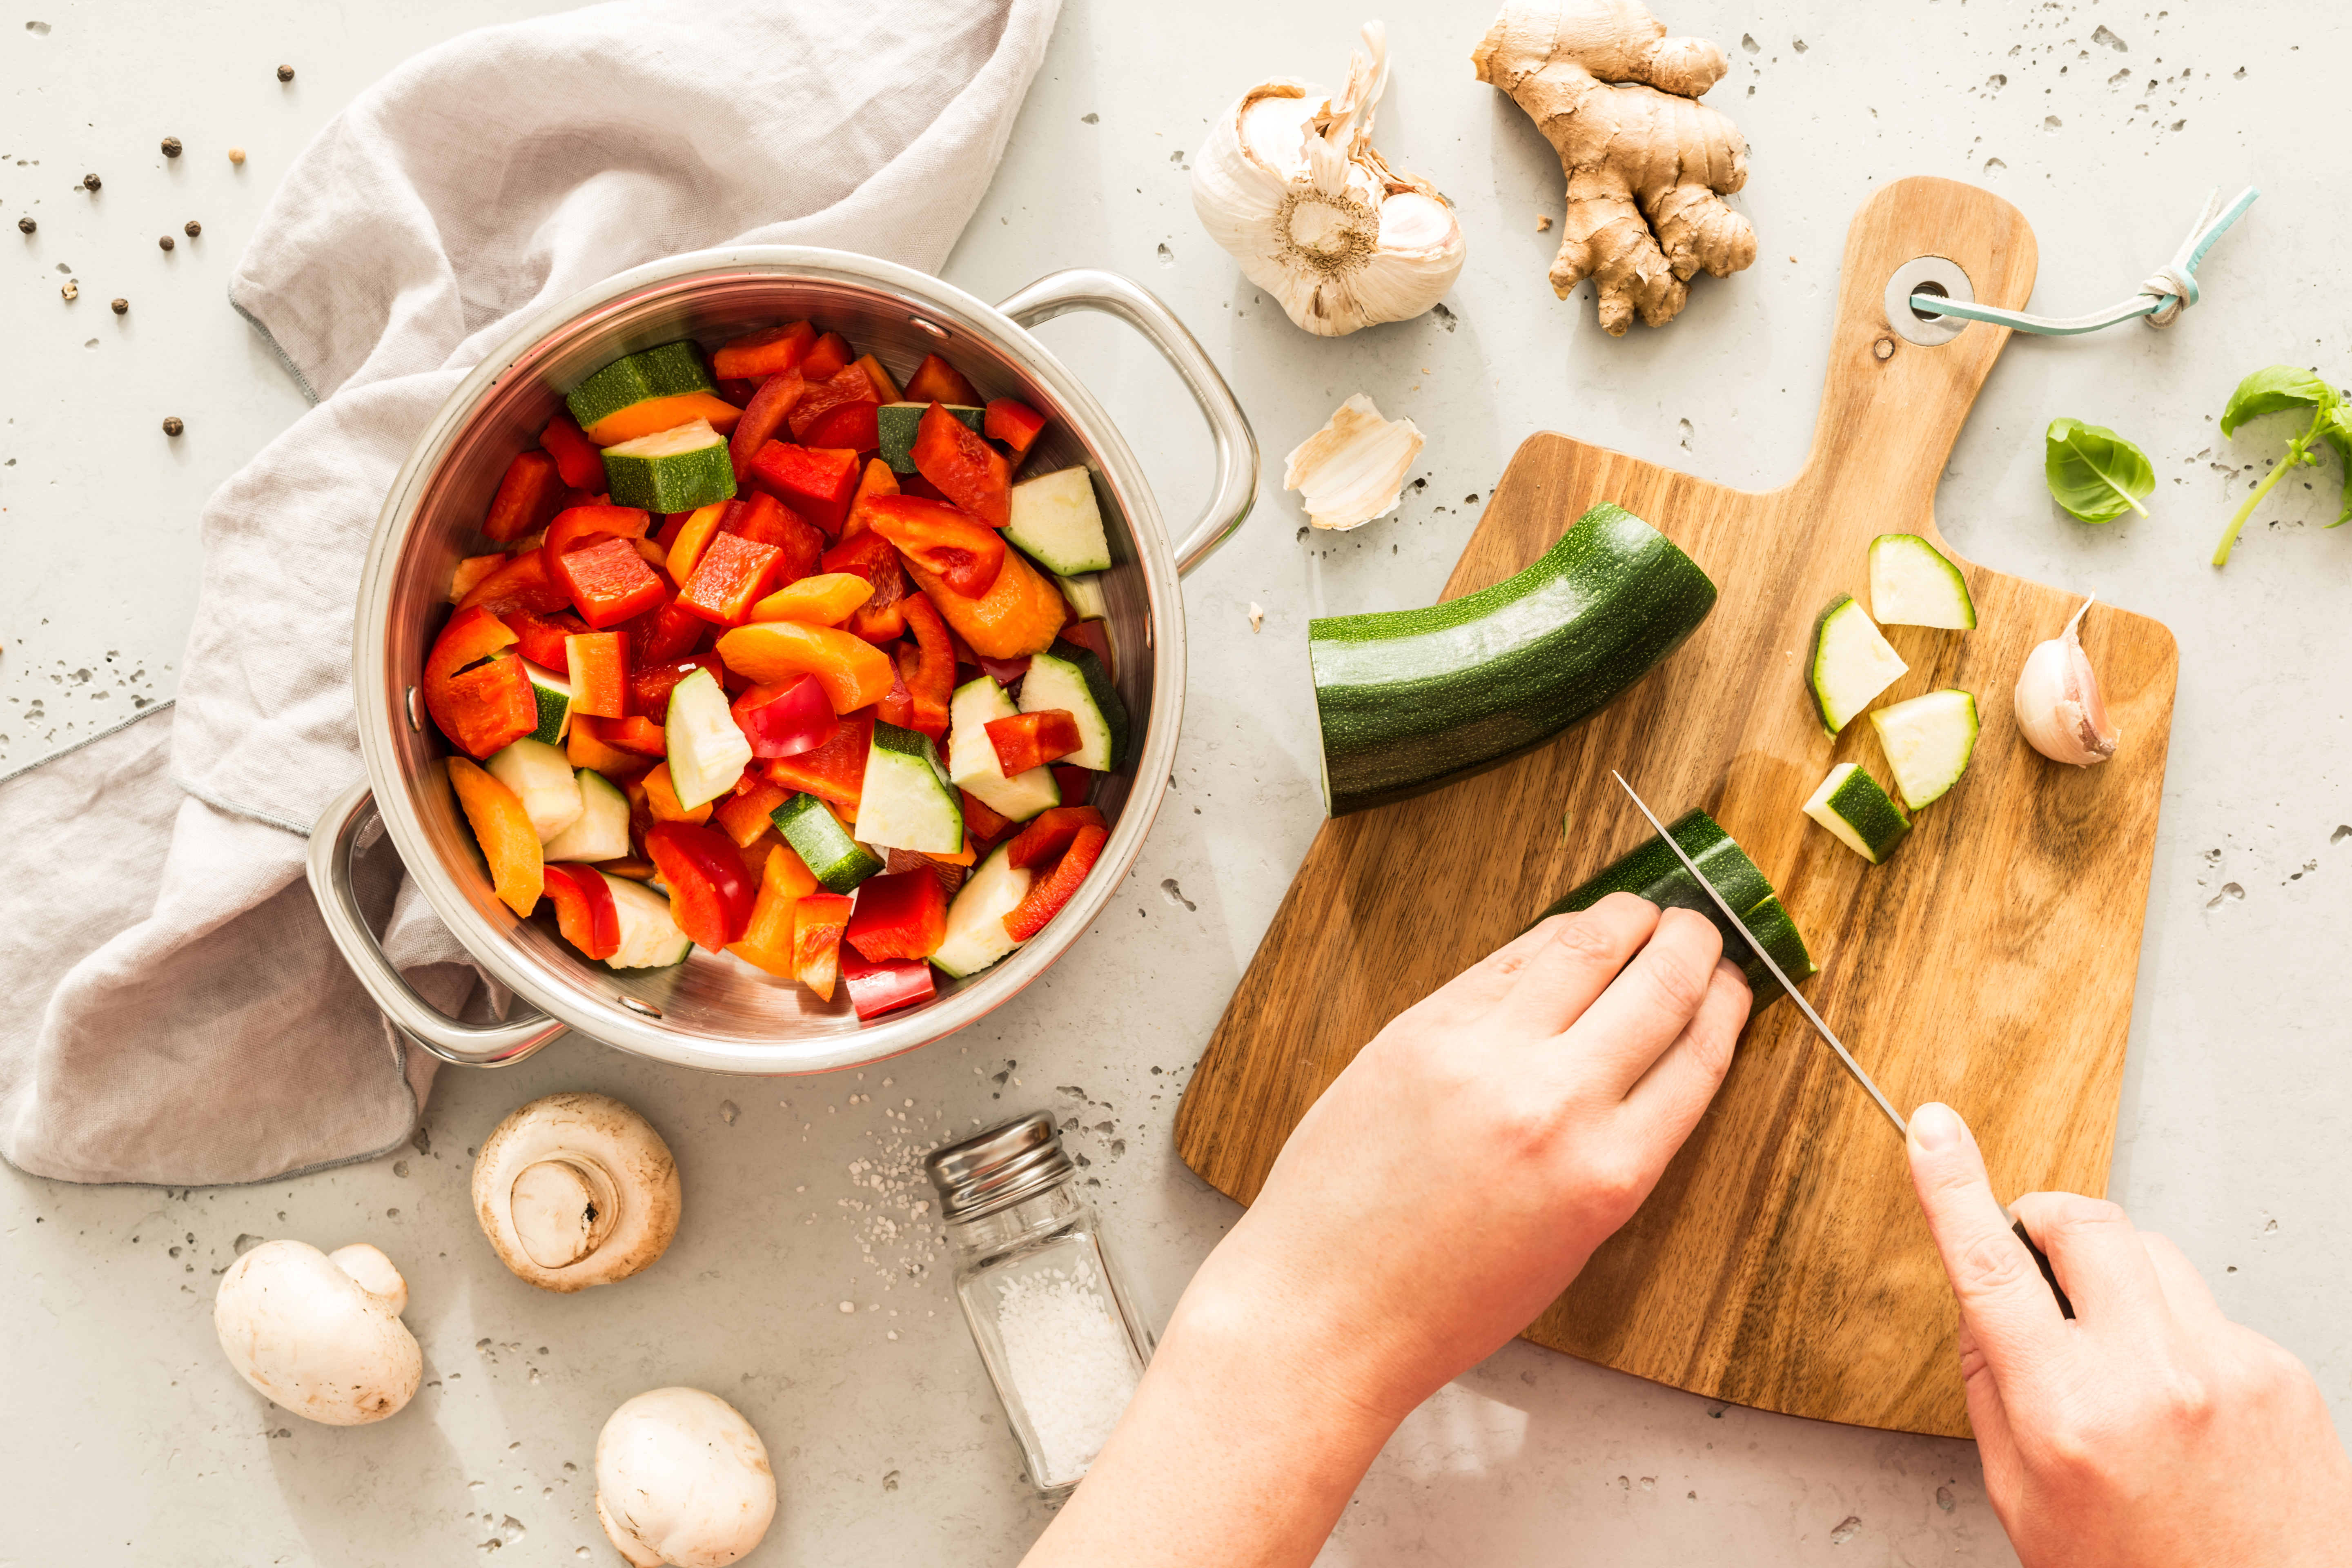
{"x":1851,"y":804}
{"x":1852,"y":663}
{"x":649,"y":938}
{"x":601,"y":831}
{"x":1912,"y":585}
{"x":1068,"y":675}
{"x":1057,"y":521}
{"x":976,"y":936}
{"x":1928,"y":741}
{"x":906,"y":801}
{"x":832,"y":856}
{"x":541,"y":777}
{"x":972,"y":756}
{"x":678,"y":470}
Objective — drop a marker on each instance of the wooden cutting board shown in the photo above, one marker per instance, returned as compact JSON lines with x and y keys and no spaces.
{"x":1782,"y":1262}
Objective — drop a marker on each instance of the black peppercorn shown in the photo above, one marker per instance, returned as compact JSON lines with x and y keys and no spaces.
{"x":27,"y":225}
{"x":122,"y":307}
{"x":89,"y":181}
{"x":195,"y":229}
{"x":285,"y":73}
{"x":172,"y":425}
{"x":171,"y":146}
{"x":165,"y":242}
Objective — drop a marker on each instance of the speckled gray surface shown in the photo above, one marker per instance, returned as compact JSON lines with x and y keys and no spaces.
{"x":131,"y":1441}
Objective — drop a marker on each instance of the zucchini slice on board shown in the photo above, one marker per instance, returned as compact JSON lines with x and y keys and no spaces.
{"x":1409,"y":700}
{"x":1851,"y":804}
{"x":1912,"y":585}
{"x":1651,"y":871}
{"x":1852,"y":663}
{"x":1928,"y":741}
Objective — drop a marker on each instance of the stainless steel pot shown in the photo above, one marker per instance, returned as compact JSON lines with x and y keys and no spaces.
{"x":716,"y":1012}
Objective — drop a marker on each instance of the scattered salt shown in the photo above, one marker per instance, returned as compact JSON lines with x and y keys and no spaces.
{"x":849,"y":1306}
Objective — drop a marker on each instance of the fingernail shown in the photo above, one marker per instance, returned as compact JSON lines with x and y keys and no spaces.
{"x":1936,"y":1127}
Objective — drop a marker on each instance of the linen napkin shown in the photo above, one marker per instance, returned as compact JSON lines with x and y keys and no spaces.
{"x":181,"y":1016}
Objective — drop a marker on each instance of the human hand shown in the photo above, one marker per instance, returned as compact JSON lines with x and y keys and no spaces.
{"x":1456,"y":1175}
{"x":2149,"y":1431}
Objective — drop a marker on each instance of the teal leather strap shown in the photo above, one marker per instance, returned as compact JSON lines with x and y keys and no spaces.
{"x":2161,"y":298}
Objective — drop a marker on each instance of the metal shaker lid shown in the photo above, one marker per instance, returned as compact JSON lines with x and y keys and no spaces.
{"x":998,"y":1168}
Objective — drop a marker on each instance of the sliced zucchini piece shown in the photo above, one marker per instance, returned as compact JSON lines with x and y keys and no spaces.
{"x":1912,"y":585}
{"x":1852,"y":663}
{"x":553,"y":693}
{"x":971,"y":755}
{"x":898,"y":422}
{"x":541,"y":778}
{"x":642,"y":392}
{"x":1928,"y":741}
{"x":976,"y":936}
{"x":601,"y":831}
{"x":678,"y":470}
{"x":1652,"y":872}
{"x":1071,"y":676}
{"x":1085,"y":595}
{"x":1851,"y":804}
{"x":708,"y":752}
{"x":649,"y":938}
{"x":1057,"y":521}
{"x":908,"y":801}
{"x":831,"y":852}
{"x":1409,"y":700}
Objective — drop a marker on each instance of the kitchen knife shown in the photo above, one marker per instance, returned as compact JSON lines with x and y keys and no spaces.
{"x":1845,"y":1056}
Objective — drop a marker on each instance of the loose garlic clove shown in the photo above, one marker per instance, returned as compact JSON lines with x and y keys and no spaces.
{"x":1291,"y":186}
{"x":1352,"y":471}
{"x":2058,"y":703}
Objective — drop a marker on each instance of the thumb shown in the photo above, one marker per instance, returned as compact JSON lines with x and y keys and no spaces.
{"x":2005,"y":1304}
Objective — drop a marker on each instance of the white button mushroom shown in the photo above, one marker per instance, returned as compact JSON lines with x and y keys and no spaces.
{"x":576,"y":1190}
{"x":319,"y":1333}
{"x":681,"y":1478}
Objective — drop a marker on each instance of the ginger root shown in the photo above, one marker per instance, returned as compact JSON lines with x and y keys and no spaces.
{"x":1647,"y":166}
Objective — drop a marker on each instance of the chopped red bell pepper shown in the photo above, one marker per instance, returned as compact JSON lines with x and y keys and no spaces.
{"x":709,"y":896}
{"x":932,"y":683}
{"x":1006,"y":672}
{"x":936,"y":381}
{"x":826,"y":357}
{"x":878,"y":988}
{"x":664,"y":635}
{"x":901,"y":915}
{"x":1013,"y":422}
{"x":608,"y":581}
{"x":539,"y":638}
{"x":1075,"y":783}
{"x":878,"y":479}
{"x":522,"y":584}
{"x":951,"y":873}
{"x":575,"y":527}
{"x":734,"y":574}
{"x":635,"y":734}
{"x":915,"y":485}
{"x":747,"y":813}
{"x":1047,"y":895}
{"x":597,"y":664}
{"x":786,"y":720}
{"x":579,"y":461}
{"x":834,"y":771}
{"x":474,"y":687}
{"x":970,"y":472}
{"x":763,"y":520}
{"x":952,"y":544}
{"x":854,"y":426}
{"x":737,"y":390}
{"x":982,"y":823}
{"x":847,"y":385}
{"x":651,"y":684}
{"x":1025,"y":741}
{"x":526,"y":497}
{"x":585,"y":911}
{"x":765,"y":415}
{"x":882,"y":618}
{"x":1050,"y":832}
{"x":897,"y":706}
{"x":471,"y":571}
{"x":1095,"y":637}
{"x":771,"y":352}
{"x":815,"y":482}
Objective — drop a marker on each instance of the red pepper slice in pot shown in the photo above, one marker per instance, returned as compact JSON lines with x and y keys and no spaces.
{"x":936,"y":381}
{"x":769,"y":408}
{"x":983,"y":824}
{"x":734,"y":574}
{"x":1050,"y":832}
{"x":1014,"y":424}
{"x":598,"y":666}
{"x":764,"y":355}
{"x":787,"y":720}
{"x":585,"y":909}
{"x":574,"y":526}
{"x":886,"y":987}
{"x":834,"y":771}
{"x":637,"y":735}
{"x":970,"y":472}
{"x":664,"y":635}
{"x":817,"y":483}
{"x":1047,"y":895}
{"x":608,"y":581}
{"x":522,"y":584}
{"x":1025,"y":741}
{"x":526,"y":497}
{"x":709,"y":896}
{"x":541,"y":637}
{"x":651,"y":684}
{"x":826,"y":357}
{"x":579,"y":461}
{"x":473,"y":686}
{"x":882,"y":617}
{"x":953,"y":545}
{"x":932,"y":686}
{"x":903,"y":914}
{"x":763,"y":520}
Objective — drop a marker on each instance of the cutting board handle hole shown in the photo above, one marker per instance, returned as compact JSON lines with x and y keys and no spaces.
{"x":1936,"y":275}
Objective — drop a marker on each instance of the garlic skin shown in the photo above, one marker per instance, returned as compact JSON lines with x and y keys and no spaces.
{"x":2058,"y":703}
{"x":1291,"y":186}
{"x":1352,"y":471}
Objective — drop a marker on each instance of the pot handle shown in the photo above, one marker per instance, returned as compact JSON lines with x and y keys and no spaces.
{"x":330,"y":868}
{"x":1088,"y":289}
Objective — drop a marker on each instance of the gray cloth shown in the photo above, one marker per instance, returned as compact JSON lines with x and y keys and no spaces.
{"x":182,"y":1016}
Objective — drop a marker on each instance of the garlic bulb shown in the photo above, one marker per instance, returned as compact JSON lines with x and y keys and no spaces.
{"x":2058,"y":703}
{"x":1352,"y":471}
{"x":1291,"y":186}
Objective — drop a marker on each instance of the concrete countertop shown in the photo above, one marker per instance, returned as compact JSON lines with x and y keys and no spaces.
{"x":130,"y":1439}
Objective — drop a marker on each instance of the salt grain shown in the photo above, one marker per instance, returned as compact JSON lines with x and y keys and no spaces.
{"x":1069,"y":1355}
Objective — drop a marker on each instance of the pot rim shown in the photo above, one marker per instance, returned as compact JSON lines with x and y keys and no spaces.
{"x":607,"y":1020}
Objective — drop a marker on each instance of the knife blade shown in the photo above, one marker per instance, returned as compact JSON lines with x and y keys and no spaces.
{"x":1829,"y":1037}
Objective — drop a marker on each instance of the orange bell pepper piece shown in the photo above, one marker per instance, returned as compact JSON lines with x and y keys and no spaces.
{"x":936,"y":381}
{"x":503,"y":829}
{"x":661,"y":798}
{"x":748,"y":812}
{"x":584,"y":748}
{"x":853,"y":672}
{"x":818,"y":921}
{"x":784,"y":880}
{"x":656,"y":414}
{"x":1020,"y":613}
{"x":693,"y":539}
{"x":827,"y":599}
{"x":598,"y":666}
{"x":878,"y":480}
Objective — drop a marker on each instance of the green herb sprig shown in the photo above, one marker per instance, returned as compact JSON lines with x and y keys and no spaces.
{"x":2269,"y":390}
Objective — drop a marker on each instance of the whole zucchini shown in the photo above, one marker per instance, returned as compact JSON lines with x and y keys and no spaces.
{"x":1409,"y":700}
{"x":1651,"y":871}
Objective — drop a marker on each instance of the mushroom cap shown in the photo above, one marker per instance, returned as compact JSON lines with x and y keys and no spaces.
{"x":682,"y":1479}
{"x":321,"y":1335}
{"x":575,"y":1190}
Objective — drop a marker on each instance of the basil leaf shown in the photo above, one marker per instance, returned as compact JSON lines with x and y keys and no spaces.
{"x":2272,"y":388}
{"x":2335,"y":429}
{"x":2095,"y":473}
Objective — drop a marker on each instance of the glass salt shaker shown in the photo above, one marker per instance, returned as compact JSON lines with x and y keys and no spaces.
{"x":1060,"y":1339}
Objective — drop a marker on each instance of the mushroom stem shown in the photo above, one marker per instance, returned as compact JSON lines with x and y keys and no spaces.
{"x":576,"y":1190}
